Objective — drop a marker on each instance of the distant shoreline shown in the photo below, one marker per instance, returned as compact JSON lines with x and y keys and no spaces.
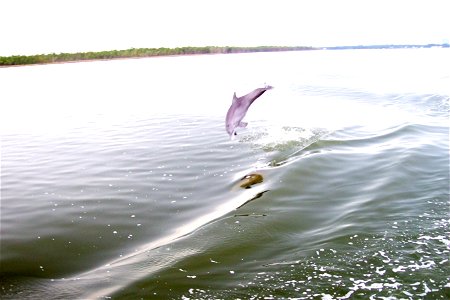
{"x":54,"y":58}
{"x":21,"y":60}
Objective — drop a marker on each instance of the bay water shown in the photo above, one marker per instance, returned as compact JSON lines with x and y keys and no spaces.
{"x":119,"y":181}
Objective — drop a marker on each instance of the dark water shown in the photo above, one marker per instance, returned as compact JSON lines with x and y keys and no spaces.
{"x":118,"y":179}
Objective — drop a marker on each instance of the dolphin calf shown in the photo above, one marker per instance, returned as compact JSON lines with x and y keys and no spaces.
{"x":239,"y":108}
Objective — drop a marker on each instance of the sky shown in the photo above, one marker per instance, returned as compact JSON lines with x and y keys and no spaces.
{"x":54,"y":26}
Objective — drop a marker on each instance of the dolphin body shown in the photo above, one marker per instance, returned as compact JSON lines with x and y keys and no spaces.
{"x":239,"y":108}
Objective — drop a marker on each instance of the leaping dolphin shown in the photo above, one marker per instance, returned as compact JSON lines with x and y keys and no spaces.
{"x":239,"y":108}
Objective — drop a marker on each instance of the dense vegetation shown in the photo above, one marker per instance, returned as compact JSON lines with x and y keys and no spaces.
{"x":133,"y":52}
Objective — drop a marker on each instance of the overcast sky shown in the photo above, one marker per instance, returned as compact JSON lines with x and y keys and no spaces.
{"x":46,"y":26}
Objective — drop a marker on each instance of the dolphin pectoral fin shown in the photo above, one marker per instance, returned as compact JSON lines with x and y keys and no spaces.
{"x":243,"y":124}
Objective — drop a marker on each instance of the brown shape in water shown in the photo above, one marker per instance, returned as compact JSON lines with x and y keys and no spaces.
{"x":251,"y":179}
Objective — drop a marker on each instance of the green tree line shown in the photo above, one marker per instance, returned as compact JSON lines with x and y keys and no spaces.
{"x":134,"y":52}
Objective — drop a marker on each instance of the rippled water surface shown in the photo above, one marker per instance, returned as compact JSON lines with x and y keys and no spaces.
{"x":118,"y":180}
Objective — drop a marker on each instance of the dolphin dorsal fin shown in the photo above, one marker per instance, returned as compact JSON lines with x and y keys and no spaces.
{"x":234,"y":97}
